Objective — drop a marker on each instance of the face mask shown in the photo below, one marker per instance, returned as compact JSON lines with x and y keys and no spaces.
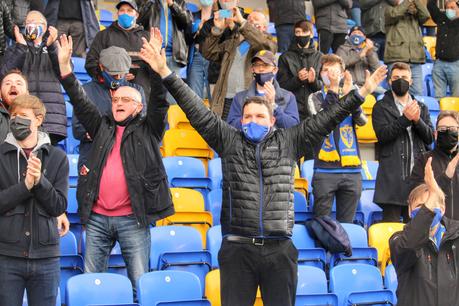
{"x":126,"y":21}
{"x":113,"y":83}
{"x":206,"y":2}
{"x":255,"y":132}
{"x":228,"y":5}
{"x":450,"y":13}
{"x":33,"y":31}
{"x":400,"y":87}
{"x":262,"y":78}
{"x":128,"y":119}
{"x":325,"y":79}
{"x":20,"y":127}
{"x":436,"y":220}
{"x":447,"y":140}
{"x":302,"y":41}
{"x":356,"y":40}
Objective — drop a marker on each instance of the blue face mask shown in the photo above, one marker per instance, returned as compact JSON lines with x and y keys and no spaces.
{"x":356,"y":40}
{"x":436,"y":219}
{"x":450,"y":13}
{"x":255,"y":132}
{"x":113,"y":83}
{"x":126,"y":21}
{"x":206,"y":2}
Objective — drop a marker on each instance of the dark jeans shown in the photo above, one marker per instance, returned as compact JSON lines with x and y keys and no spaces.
{"x":244,"y":267}
{"x":285,"y":33}
{"x":74,"y":28}
{"x":40,"y":277}
{"x":393,"y":213}
{"x":197,"y":75}
{"x":346,"y":187}
{"x":380,"y":42}
{"x":329,"y":40}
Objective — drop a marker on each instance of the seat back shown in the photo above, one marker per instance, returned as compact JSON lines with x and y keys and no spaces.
{"x":214,"y":199}
{"x":371,"y":211}
{"x":369,"y":172}
{"x":379,"y":235}
{"x":68,"y":244}
{"x":187,"y":200}
{"x":311,"y":280}
{"x":449,"y":103}
{"x":307,"y":170}
{"x":73,"y":169}
{"x":215,"y":172}
{"x":182,"y":142}
{"x":214,"y":242}
{"x":186,"y":172}
{"x":357,"y":235}
{"x":177,"y":118}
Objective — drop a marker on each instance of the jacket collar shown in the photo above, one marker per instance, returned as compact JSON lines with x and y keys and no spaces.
{"x":452,"y":229}
{"x":309,"y":50}
{"x":43,"y":143}
{"x":389,"y":102}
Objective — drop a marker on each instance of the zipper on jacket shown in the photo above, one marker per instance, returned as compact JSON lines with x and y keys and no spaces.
{"x":230,"y":205}
{"x":260,"y":175}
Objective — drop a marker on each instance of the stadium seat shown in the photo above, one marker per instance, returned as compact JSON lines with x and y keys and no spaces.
{"x":378,"y":237}
{"x":433,"y":106}
{"x":186,"y":172}
{"x":308,"y":253}
{"x":98,"y":288}
{"x":427,"y":77}
{"x":302,"y":211}
{"x":430,"y":42}
{"x":214,"y":242}
{"x":365,"y":133}
{"x":307,"y":171}
{"x":189,"y":211}
{"x":79,"y":70}
{"x":72,"y":206}
{"x":106,"y":18}
{"x":170,"y":288}
{"x":177,"y":118}
{"x":73,"y":169}
{"x":215,"y":172}
{"x":301,"y":184}
{"x":71,"y":263}
{"x":372,"y":212}
{"x":182,"y":142}
{"x":179,"y":248}
{"x":359,"y":284}
{"x":69,"y":112}
{"x":193,"y":8}
{"x":361,"y":253}
{"x":369,"y":172}
{"x":449,"y":103}
{"x":390,"y":280}
{"x":72,"y":145}
{"x":312,"y":288}
{"x":214,"y":201}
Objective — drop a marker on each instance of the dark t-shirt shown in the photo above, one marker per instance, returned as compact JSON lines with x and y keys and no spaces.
{"x":70,"y":10}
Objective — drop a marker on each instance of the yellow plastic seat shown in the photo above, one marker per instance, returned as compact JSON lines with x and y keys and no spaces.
{"x":366,"y":133}
{"x":177,"y":118}
{"x":449,"y":103}
{"x":301,"y":184}
{"x":430,"y":42}
{"x":368,"y":104}
{"x":189,"y":211}
{"x":378,"y":237}
{"x":212,"y":289}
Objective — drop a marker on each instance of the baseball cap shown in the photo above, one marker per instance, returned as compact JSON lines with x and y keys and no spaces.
{"x":132,"y":3}
{"x":266,"y":57}
{"x":357,"y":28}
{"x":115,"y":60}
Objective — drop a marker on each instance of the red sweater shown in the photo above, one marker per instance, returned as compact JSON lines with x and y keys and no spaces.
{"x":114,"y":200}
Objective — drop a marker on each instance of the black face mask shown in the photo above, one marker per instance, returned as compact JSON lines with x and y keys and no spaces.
{"x":400,"y":87}
{"x":262,"y":78}
{"x":447,"y":140}
{"x":126,"y":121}
{"x":302,"y":41}
{"x":20,"y":127}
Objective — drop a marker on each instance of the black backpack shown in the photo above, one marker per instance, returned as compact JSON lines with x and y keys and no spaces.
{"x":329,"y":234}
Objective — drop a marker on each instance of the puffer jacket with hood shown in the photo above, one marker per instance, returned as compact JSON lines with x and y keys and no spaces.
{"x":28,"y":226}
{"x":4,"y":122}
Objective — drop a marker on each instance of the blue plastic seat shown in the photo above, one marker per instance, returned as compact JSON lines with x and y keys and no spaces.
{"x":214,"y":200}
{"x":372,"y":212}
{"x":302,"y":212}
{"x":308,"y":253}
{"x":98,"y":288}
{"x":79,"y":70}
{"x":361,"y":253}
{"x":369,"y":172}
{"x":72,"y":206}
{"x":160,"y":287}
{"x":71,"y":263}
{"x":307,"y":170}
{"x":73,"y":169}
{"x":312,"y":287}
{"x":390,"y":280}
{"x":214,"y":242}
{"x":357,"y":284}
{"x":72,"y":145}
{"x":433,"y":105}
{"x":193,"y":8}
{"x":215,"y":172}
{"x":106,"y":18}
{"x":179,"y":248}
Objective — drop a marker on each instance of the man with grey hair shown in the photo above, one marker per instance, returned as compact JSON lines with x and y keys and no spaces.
{"x":114,"y":64}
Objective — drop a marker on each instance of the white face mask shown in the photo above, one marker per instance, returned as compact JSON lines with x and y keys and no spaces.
{"x":228,"y":5}
{"x":325,"y":79}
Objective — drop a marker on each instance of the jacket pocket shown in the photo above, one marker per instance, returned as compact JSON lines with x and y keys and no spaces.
{"x":47,"y":228}
{"x":155,"y":191}
{"x":396,"y":50}
{"x":11,"y":224}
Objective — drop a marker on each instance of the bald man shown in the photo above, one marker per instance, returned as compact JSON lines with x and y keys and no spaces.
{"x":123,"y":186}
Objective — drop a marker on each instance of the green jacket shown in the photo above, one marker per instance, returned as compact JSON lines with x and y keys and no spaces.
{"x":403,"y":33}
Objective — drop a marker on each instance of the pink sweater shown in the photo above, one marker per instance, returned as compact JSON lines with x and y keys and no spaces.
{"x":114,"y":200}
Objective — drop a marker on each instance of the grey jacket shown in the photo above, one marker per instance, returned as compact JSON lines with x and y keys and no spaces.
{"x":373,"y":15}
{"x":331,"y":15}
{"x":357,"y":65}
{"x":19,"y":10}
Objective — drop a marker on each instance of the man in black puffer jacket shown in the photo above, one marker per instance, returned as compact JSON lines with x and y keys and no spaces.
{"x":258,"y":165}
{"x":6,"y":27}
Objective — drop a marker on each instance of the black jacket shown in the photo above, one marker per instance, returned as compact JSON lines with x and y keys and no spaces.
{"x":143,"y":167}
{"x":447,"y":34}
{"x":6,"y":26}
{"x":131,"y":41}
{"x":257,"y":178}
{"x":286,"y":11}
{"x":28,"y":226}
{"x":426,"y":276}
{"x":149,"y":16}
{"x":4,"y":122}
{"x":450,"y":187}
{"x":290,"y":63}
{"x":394,"y":151}
{"x":41,"y":67}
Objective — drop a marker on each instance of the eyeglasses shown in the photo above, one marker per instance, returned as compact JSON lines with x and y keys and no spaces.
{"x":124,"y":100}
{"x":443,"y":128}
{"x":262,"y":65}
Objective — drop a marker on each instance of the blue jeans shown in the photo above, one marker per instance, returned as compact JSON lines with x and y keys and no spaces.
{"x":102,"y":232}
{"x":40,"y":277}
{"x":285,"y":33}
{"x":197,"y":75}
{"x":445,"y":74}
{"x":416,"y":89}
{"x":356,"y":16}
{"x":174,"y":67}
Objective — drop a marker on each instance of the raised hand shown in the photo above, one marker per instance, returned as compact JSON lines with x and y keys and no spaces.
{"x":237,"y":16}
{"x":452,"y":165}
{"x":64,"y":54}
{"x":18,"y":36}
{"x":153,"y":55}
{"x":372,"y":81}
{"x":52,"y":36}
{"x":270,"y":92}
{"x":436,"y":197}
{"x":347,"y":86}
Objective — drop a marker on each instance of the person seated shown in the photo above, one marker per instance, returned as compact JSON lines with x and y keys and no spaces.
{"x":284,"y":103}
